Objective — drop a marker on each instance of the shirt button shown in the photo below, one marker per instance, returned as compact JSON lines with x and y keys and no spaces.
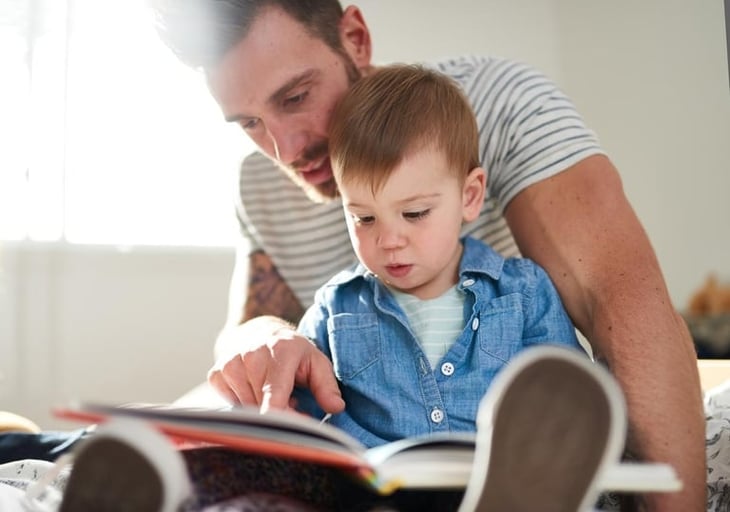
{"x":447,"y":369}
{"x":468,"y":282}
{"x":475,"y":324}
{"x":437,"y":416}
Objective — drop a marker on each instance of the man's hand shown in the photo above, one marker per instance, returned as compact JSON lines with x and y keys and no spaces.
{"x":264,"y":359}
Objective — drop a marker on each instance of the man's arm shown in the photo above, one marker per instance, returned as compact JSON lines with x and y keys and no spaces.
{"x":580,"y":227}
{"x":259,"y":356}
{"x":256,"y":289}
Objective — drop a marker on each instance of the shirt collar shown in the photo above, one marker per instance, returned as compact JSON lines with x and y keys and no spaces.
{"x":479,"y":258}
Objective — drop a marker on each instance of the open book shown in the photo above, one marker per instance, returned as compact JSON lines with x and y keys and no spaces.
{"x":434,"y":461}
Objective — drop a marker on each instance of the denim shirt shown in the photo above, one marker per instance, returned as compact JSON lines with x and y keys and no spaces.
{"x":390,"y":389}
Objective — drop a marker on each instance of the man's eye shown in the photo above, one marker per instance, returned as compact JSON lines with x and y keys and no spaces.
{"x":295,"y":100}
{"x":416,"y":215}
{"x":249,"y":124}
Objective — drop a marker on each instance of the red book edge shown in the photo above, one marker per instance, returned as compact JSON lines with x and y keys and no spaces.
{"x":191,"y":437}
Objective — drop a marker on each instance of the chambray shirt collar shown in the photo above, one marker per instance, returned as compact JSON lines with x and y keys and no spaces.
{"x":476,"y":259}
{"x":479,"y":258}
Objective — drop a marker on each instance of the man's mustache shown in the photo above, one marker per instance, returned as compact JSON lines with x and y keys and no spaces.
{"x":310,"y":154}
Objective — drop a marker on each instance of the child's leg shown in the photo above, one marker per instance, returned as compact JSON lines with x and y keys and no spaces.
{"x":549,"y":425}
{"x":126,"y":466}
{"x":220,"y":474}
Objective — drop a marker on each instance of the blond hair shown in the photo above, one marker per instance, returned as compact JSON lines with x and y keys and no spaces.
{"x":395,"y":111}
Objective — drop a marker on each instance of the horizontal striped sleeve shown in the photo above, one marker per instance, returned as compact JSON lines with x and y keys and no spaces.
{"x":307,"y":241}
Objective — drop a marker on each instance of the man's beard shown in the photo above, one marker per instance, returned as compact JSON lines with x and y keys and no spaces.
{"x":321,"y":193}
{"x":318,"y":151}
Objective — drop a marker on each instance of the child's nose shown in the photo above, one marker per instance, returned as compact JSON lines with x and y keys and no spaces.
{"x":390,"y":238}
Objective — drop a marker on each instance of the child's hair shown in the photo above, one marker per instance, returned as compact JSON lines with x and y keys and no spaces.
{"x":395,"y":111}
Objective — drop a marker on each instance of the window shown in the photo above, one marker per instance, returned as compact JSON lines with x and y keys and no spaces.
{"x":114,"y":140}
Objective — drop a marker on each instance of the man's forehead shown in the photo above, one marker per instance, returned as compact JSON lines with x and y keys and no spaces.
{"x":275,"y":54}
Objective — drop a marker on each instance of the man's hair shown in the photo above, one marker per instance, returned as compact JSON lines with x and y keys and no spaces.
{"x":395,"y":111}
{"x":201,"y":32}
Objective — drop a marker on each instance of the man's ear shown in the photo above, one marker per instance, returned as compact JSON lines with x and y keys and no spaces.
{"x":473,"y":193}
{"x":355,"y":37}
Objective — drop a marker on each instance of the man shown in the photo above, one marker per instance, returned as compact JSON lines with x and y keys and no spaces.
{"x":277,"y":68}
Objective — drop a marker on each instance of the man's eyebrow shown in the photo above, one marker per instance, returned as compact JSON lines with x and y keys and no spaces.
{"x":278,"y":94}
{"x":290,"y":84}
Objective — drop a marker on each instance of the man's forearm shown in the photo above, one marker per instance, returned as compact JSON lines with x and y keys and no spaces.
{"x":655,"y":363}
{"x":257,"y":291}
{"x":580,"y":227}
{"x":268,"y":293}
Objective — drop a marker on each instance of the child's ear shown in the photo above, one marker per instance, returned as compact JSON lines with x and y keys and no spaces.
{"x":473,"y":193}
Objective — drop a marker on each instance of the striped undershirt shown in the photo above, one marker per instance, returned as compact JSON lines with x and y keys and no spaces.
{"x":436,"y":323}
{"x":528,"y":131}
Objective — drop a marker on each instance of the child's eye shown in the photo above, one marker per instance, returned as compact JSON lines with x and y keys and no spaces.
{"x":365,"y":219}
{"x":416,"y":215}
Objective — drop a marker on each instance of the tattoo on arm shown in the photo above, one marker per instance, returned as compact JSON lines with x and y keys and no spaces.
{"x":268,"y":293}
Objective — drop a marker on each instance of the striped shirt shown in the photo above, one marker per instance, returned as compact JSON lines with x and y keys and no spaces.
{"x":528,"y":131}
{"x":436,"y":323}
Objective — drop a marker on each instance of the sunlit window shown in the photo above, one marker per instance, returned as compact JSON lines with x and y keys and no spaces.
{"x":118,"y":143}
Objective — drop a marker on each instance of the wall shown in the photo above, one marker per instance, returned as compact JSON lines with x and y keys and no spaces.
{"x":650,"y":77}
{"x":84,"y":322}
{"x":424,"y":30}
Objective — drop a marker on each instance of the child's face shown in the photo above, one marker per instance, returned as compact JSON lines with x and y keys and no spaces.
{"x":408,"y":232}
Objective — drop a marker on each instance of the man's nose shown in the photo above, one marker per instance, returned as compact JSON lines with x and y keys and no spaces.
{"x":287,"y":140}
